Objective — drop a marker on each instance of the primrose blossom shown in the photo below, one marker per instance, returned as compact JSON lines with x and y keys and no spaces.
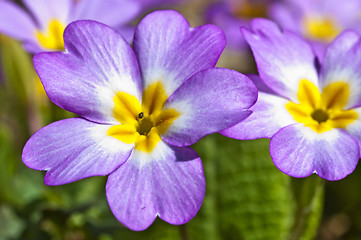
{"x":140,"y":111}
{"x":320,"y":21}
{"x":42,"y":29}
{"x":311,"y":113}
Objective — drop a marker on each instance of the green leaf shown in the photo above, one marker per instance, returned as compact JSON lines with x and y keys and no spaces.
{"x":247,"y":197}
{"x":17,"y":88}
{"x":308,"y":195}
{"x":10,"y":225}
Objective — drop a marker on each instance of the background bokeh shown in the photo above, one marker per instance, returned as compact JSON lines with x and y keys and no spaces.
{"x":247,"y":197}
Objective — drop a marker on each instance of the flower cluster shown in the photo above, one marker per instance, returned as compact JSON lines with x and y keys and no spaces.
{"x":141,"y":106}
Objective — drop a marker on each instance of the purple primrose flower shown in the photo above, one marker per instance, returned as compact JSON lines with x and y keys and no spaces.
{"x":312,"y":114}
{"x":231,"y":15}
{"x":141,"y":108}
{"x":43,"y":29}
{"x":319,"y":21}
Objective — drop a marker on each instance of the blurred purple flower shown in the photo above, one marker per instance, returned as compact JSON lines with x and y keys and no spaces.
{"x":142,"y":108}
{"x":320,"y":21}
{"x":147,"y":5}
{"x":42,"y":29}
{"x":231,"y":15}
{"x":313,"y":118}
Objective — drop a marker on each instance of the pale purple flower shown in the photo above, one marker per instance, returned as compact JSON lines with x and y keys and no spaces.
{"x":141,"y":109}
{"x":311,"y":113}
{"x":231,"y":15}
{"x":42,"y":29}
{"x":320,"y":21}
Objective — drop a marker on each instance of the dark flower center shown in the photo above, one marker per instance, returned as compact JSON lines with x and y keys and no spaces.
{"x":320,"y":115}
{"x":145,"y":125}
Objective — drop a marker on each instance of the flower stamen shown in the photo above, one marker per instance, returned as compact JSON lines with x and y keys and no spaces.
{"x":142,"y":124}
{"x":320,"y":115}
{"x":322,"y":111}
{"x":145,"y":125}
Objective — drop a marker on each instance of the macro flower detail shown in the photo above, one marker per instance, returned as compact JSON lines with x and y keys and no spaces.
{"x":53,"y":37}
{"x":43,"y":29}
{"x":320,"y":28}
{"x":141,"y":108}
{"x":310,"y":112}
{"x":142,"y":124}
{"x":322,"y":112}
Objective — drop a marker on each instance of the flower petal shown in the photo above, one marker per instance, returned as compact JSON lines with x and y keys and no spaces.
{"x":15,"y":22}
{"x":46,"y":10}
{"x":261,"y":86}
{"x":84,"y":80}
{"x":74,"y":149}
{"x":347,"y":15}
{"x":342,"y":62}
{"x":127,"y":32}
{"x":169,"y":183}
{"x":170,"y":51}
{"x":269,"y":115}
{"x":220,"y":14}
{"x":354,"y":128}
{"x":111,"y":12}
{"x":282,"y":58}
{"x":32,"y":47}
{"x":286,"y":15}
{"x":299,"y":151}
{"x":208,"y":102}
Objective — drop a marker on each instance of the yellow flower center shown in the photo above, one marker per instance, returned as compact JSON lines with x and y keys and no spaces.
{"x":249,"y":9}
{"x":323,"y":29}
{"x":53,"y":38}
{"x":322,"y":111}
{"x":142,"y":124}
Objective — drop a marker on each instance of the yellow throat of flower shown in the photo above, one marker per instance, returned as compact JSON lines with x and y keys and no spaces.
{"x":142,"y":124}
{"x":52,"y":39}
{"x":322,"y":29}
{"x":322,"y":111}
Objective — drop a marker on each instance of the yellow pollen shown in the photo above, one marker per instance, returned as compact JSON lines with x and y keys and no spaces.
{"x":322,"y":111}
{"x":142,"y":124}
{"x":52,"y":39}
{"x":322,"y":29}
